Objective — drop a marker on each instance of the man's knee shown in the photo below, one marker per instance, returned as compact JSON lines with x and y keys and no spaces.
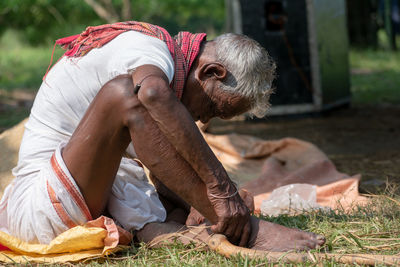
{"x":118,"y":91}
{"x":118,"y":96}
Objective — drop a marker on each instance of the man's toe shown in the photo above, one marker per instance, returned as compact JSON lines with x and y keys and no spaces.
{"x":320,"y":240}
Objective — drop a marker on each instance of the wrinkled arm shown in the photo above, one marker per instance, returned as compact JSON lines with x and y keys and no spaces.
{"x":178,"y":126}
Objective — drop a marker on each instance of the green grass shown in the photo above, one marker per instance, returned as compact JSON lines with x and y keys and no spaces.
{"x":372,"y":229}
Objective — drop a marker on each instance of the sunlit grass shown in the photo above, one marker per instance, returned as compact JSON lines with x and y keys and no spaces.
{"x":370,"y":229}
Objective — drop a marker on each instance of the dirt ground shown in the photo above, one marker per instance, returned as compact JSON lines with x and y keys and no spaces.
{"x":363,"y":140}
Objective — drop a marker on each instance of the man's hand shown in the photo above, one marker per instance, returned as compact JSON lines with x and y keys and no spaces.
{"x":233,"y":215}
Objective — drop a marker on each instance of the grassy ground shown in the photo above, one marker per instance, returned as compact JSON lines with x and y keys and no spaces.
{"x":373,"y":229}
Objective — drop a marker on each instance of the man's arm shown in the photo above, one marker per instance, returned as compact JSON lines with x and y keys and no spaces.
{"x":179,"y":128}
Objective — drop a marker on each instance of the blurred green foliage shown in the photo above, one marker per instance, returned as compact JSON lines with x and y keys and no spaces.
{"x":375,"y":76}
{"x":182,"y":15}
{"x":43,"y":21}
{"x":29,"y":27}
{"x":21,"y":65}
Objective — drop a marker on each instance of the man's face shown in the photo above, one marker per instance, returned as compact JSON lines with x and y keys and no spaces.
{"x":223,"y":104}
{"x":203,"y":96}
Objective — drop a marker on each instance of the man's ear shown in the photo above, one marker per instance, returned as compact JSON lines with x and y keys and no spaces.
{"x":212,"y":70}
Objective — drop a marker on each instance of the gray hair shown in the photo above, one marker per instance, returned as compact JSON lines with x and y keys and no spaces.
{"x":250,"y":70}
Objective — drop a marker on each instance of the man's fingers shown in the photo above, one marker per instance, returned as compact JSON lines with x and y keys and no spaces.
{"x":242,"y":220}
{"x":239,"y":230}
{"x":237,"y":222}
{"x":233,"y":217}
{"x":244,"y":239}
{"x":219,"y":228}
{"x":231,"y":230}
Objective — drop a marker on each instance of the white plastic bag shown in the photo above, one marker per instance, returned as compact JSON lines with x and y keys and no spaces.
{"x":291,"y":199}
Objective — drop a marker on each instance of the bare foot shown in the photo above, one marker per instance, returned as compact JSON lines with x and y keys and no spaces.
{"x":265,"y":236}
{"x":274,"y":237}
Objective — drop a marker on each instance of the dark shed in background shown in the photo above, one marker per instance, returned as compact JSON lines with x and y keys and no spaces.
{"x":308,"y":39}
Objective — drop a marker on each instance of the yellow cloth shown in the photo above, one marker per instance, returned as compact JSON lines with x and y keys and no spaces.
{"x":97,"y":238}
{"x":78,"y":243}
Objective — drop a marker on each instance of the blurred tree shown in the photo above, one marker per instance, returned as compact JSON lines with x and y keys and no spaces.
{"x":42,"y":21}
{"x":106,"y":10}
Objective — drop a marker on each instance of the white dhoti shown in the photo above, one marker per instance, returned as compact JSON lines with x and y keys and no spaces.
{"x":44,"y":200}
{"x":40,"y":206}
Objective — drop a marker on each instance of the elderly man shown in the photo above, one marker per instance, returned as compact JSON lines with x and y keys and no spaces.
{"x":128,"y":94}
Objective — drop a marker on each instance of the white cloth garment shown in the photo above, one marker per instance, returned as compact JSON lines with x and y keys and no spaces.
{"x":26,"y":209}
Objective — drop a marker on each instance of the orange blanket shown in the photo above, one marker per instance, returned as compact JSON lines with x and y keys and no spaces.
{"x":261,"y":166}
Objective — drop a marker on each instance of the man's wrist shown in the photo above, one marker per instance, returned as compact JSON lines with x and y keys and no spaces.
{"x":222,"y":190}
{"x":225,"y":197}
